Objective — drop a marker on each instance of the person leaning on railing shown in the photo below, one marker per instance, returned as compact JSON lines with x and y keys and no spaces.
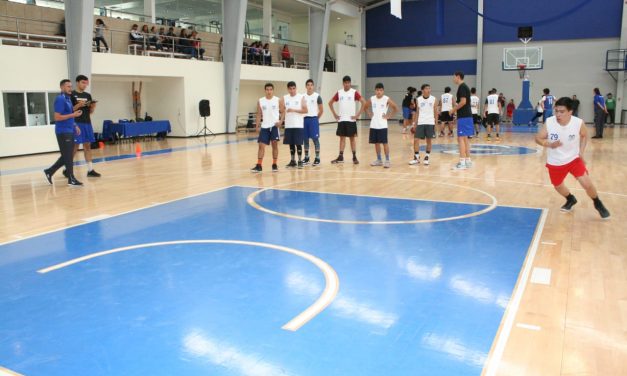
{"x":99,"y":35}
{"x":183,"y":42}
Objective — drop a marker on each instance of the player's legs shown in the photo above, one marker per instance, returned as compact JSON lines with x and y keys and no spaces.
{"x":353,"y":143}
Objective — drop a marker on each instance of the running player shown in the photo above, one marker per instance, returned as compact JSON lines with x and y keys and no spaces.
{"x":82,"y":100}
{"x":566,"y":136}
{"x":295,"y":107}
{"x":446,"y":117}
{"x":379,"y":115}
{"x":347,"y":119}
{"x":426,"y":113}
{"x":474,"y":108}
{"x":547,"y":104}
{"x":269,"y":108}
{"x":464,"y":121}
{"x":312,"y":122}
{"x":493,"y":109}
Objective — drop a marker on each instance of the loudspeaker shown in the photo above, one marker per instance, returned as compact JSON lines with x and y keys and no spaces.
{"x":525,"y":32}
{"x":204,"y":108}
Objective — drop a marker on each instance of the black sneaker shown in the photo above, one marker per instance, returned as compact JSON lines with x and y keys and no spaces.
{"x":601,"y":209}
{"x":74,"y":183}
{"x":355,"y":161}
{"x":316,"y":162}
{"x":93,"y":174}
{"x":339,"y":159}
{"x":65,"y":173}
{"x":306,"y":161}
{"x":48,"y":176}
{"x":568,"y":206}
{"x":300,"y":164}
{"x":292,"y":164}
{"x":256,"y":169}
{"x":275,"y":168}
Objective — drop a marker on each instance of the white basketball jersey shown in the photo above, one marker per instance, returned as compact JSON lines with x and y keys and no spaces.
{"x":425,"y":110}
{"x":269,"y":111}
{"x":347,"y":104}
{"x":379,"y":108}
{"x":568,"y":135}
{"x":312,"y":104}
{"x":293,"y":119}
{"x":474,"y":104}
{"x":493,"y":104}
{"x":447,"y":102}
{"x":539,"y":107}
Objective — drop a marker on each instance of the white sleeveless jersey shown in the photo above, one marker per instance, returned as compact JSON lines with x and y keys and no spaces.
{"x":474,"y":104}
{"x":379,"y":108}
{"x":568,"y":135}
{"x":293,"y":119}
{"x":493,"y":104}
{"x":312,"y":104}
{"x":447,"y":102}
{"x":269,"y":111}
{"x":425,"y":110}
{"x":347,"y":104}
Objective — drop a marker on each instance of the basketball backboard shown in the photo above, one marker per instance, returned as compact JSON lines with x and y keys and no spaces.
{"x":513,"y":57}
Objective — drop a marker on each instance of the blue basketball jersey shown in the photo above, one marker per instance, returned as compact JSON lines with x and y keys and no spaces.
{"x":548,"y":102}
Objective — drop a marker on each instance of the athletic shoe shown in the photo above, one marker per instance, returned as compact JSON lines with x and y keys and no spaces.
{"x":414,"y":161}
{"x":498,"y":139}
{"x":568,"y":206}
{"x":426,"y":161}
{"x":93,"y":174}
{"x":460,"y":166}
{"x":48,"y":176}
{"x":256,"y":169}
{"x":300,"y":164}
{"x":488,"y":138}
{"x":605,"y":214}
{"x":376,"y":163}
{"x":316,"y":162}
{"x":355,"y":160}
{"x":386,"y":164}
{"x":451,"y":134}
{"x":596,"y":137}
{"x":292,"y":164}
{"x":306,"y":161}
{"x":468,"y":164}
{"x":275,"y":168}
{"x":65,"y":173}
{"x":72,"y":182}
{"x":339,"y":159}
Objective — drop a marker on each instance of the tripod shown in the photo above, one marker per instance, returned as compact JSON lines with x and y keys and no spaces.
{"x":205,"y":131}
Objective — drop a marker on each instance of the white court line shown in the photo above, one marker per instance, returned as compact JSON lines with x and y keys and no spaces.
{"x":329,"y":293}
{"x":494,"y":360}
{"x":117,"y":215}
{"x":549,"y":243}
{"x":96,"y":218}
{"x":8,"y":372}
{"x":528,"y":326}
{"x":541,"y":276}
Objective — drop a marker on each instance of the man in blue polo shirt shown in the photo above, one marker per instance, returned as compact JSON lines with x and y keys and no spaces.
{"x":65,"y":128}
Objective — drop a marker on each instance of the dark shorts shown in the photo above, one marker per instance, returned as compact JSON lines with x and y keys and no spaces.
{"x":293,"y":136}
{"x":446,"y":116}
{"x":312,"y":128}
{"x":346,"y":128}
{"x":476,"y":118}
{"x":493,"y":119}
{"x":407,"y":113}
{"x":87,"y":134}
{"x":424,"y":130}
{"x":378,"y":136}
{"x":268,"y":134}
{"x":465,"y":127}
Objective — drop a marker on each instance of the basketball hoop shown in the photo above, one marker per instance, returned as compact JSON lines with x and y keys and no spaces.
{"x":522,"y":70}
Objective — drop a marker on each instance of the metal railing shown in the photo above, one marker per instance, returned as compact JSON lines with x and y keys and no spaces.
{"x":259,"y":56}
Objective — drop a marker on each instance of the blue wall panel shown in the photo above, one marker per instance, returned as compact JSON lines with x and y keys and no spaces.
{"x":422,"y":68}
{"x":422,"y":25}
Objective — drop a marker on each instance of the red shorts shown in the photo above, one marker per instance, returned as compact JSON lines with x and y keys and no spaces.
{"x":558,"y":173}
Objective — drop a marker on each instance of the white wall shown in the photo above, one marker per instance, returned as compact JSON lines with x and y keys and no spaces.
{"x":114,"y":99}
{"x":339,"y":29}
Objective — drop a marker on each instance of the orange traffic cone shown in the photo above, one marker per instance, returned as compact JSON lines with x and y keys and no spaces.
{"x":101,"y":145}
{"x":138,"y":150}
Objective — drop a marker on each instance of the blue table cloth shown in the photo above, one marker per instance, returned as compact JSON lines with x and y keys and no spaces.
{"x":142,"y":128}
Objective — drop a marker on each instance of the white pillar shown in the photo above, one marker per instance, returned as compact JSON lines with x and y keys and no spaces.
{"x":479,"y":83}
{"x":267,"y":18}
{"x":620,"y":80}
{"x":318,"y":30}
{"x":79,"y":27}
{"x":233,"y":38}
{"x":150,"y":11}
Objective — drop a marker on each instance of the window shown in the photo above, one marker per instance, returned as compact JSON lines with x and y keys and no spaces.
{"x":31,"y":109}
{"x":14,"y":111}
{"x":36,"y":108}
{"x":51,"y":98}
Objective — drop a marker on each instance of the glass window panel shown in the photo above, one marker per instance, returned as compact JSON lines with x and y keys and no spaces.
{"x":36,"y":109}
{"x":14,"y":110}
{"x":51,"y":98}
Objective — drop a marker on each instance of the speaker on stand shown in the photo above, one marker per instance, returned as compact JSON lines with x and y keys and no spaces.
{"x":204,"y":109}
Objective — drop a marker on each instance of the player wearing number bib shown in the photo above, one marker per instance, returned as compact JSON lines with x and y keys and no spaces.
{"x":474,"y":108}
{"x":493,"y":108}
{"x":547,"y":104}
{"x":295,"y":108}
{"x":312,"y":122}
{"x":565,"y":137}
{"x":446,"y":105}
{"x":427,"y":112}
{"x":269,"y":108}
{"x":378,"y":105}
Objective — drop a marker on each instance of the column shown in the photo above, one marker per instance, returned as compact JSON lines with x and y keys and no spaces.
{"x":267,"y":19}
{"x":479,"y":76}
{"x":233,"y":38}
{"x":620,"y":81}
{"x":318,"y":30}
{"x":150,"y":11}
{"x":79,"y":28}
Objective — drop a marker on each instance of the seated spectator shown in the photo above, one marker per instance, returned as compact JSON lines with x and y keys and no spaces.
{"x":197,"y":50}
{"x":154,"y":39}
{"x":267,"y":55}
{"x":136,"y":36}
{"x":146,"y":35}
{"x":183,"y":42}
{"x":170,"y":39}
{"x":252,"y":53}
{"x":286,"y":56}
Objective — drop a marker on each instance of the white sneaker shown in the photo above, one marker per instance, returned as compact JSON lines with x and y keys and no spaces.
{"x":414,"y":161}
{"x":426,"y":161}
{"x":460,"y":166}
{"x":378,"y":162}
{"x":468,"y":164}
{"x":404,"y":130}
{"x":386,"y":164}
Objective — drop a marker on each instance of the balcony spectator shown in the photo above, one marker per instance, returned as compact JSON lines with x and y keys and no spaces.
{"x":197,"y":50}
{"x":183,"y":42}
{"x":136,"y":36}
{"x":99,"y":35}
{"x":286,"y":56}
{"x":170,"y":39}
{"x":267,"y":55}
{"x":154,"y":39}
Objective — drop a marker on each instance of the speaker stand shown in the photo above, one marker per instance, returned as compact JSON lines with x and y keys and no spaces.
{"x":205,"y":131}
